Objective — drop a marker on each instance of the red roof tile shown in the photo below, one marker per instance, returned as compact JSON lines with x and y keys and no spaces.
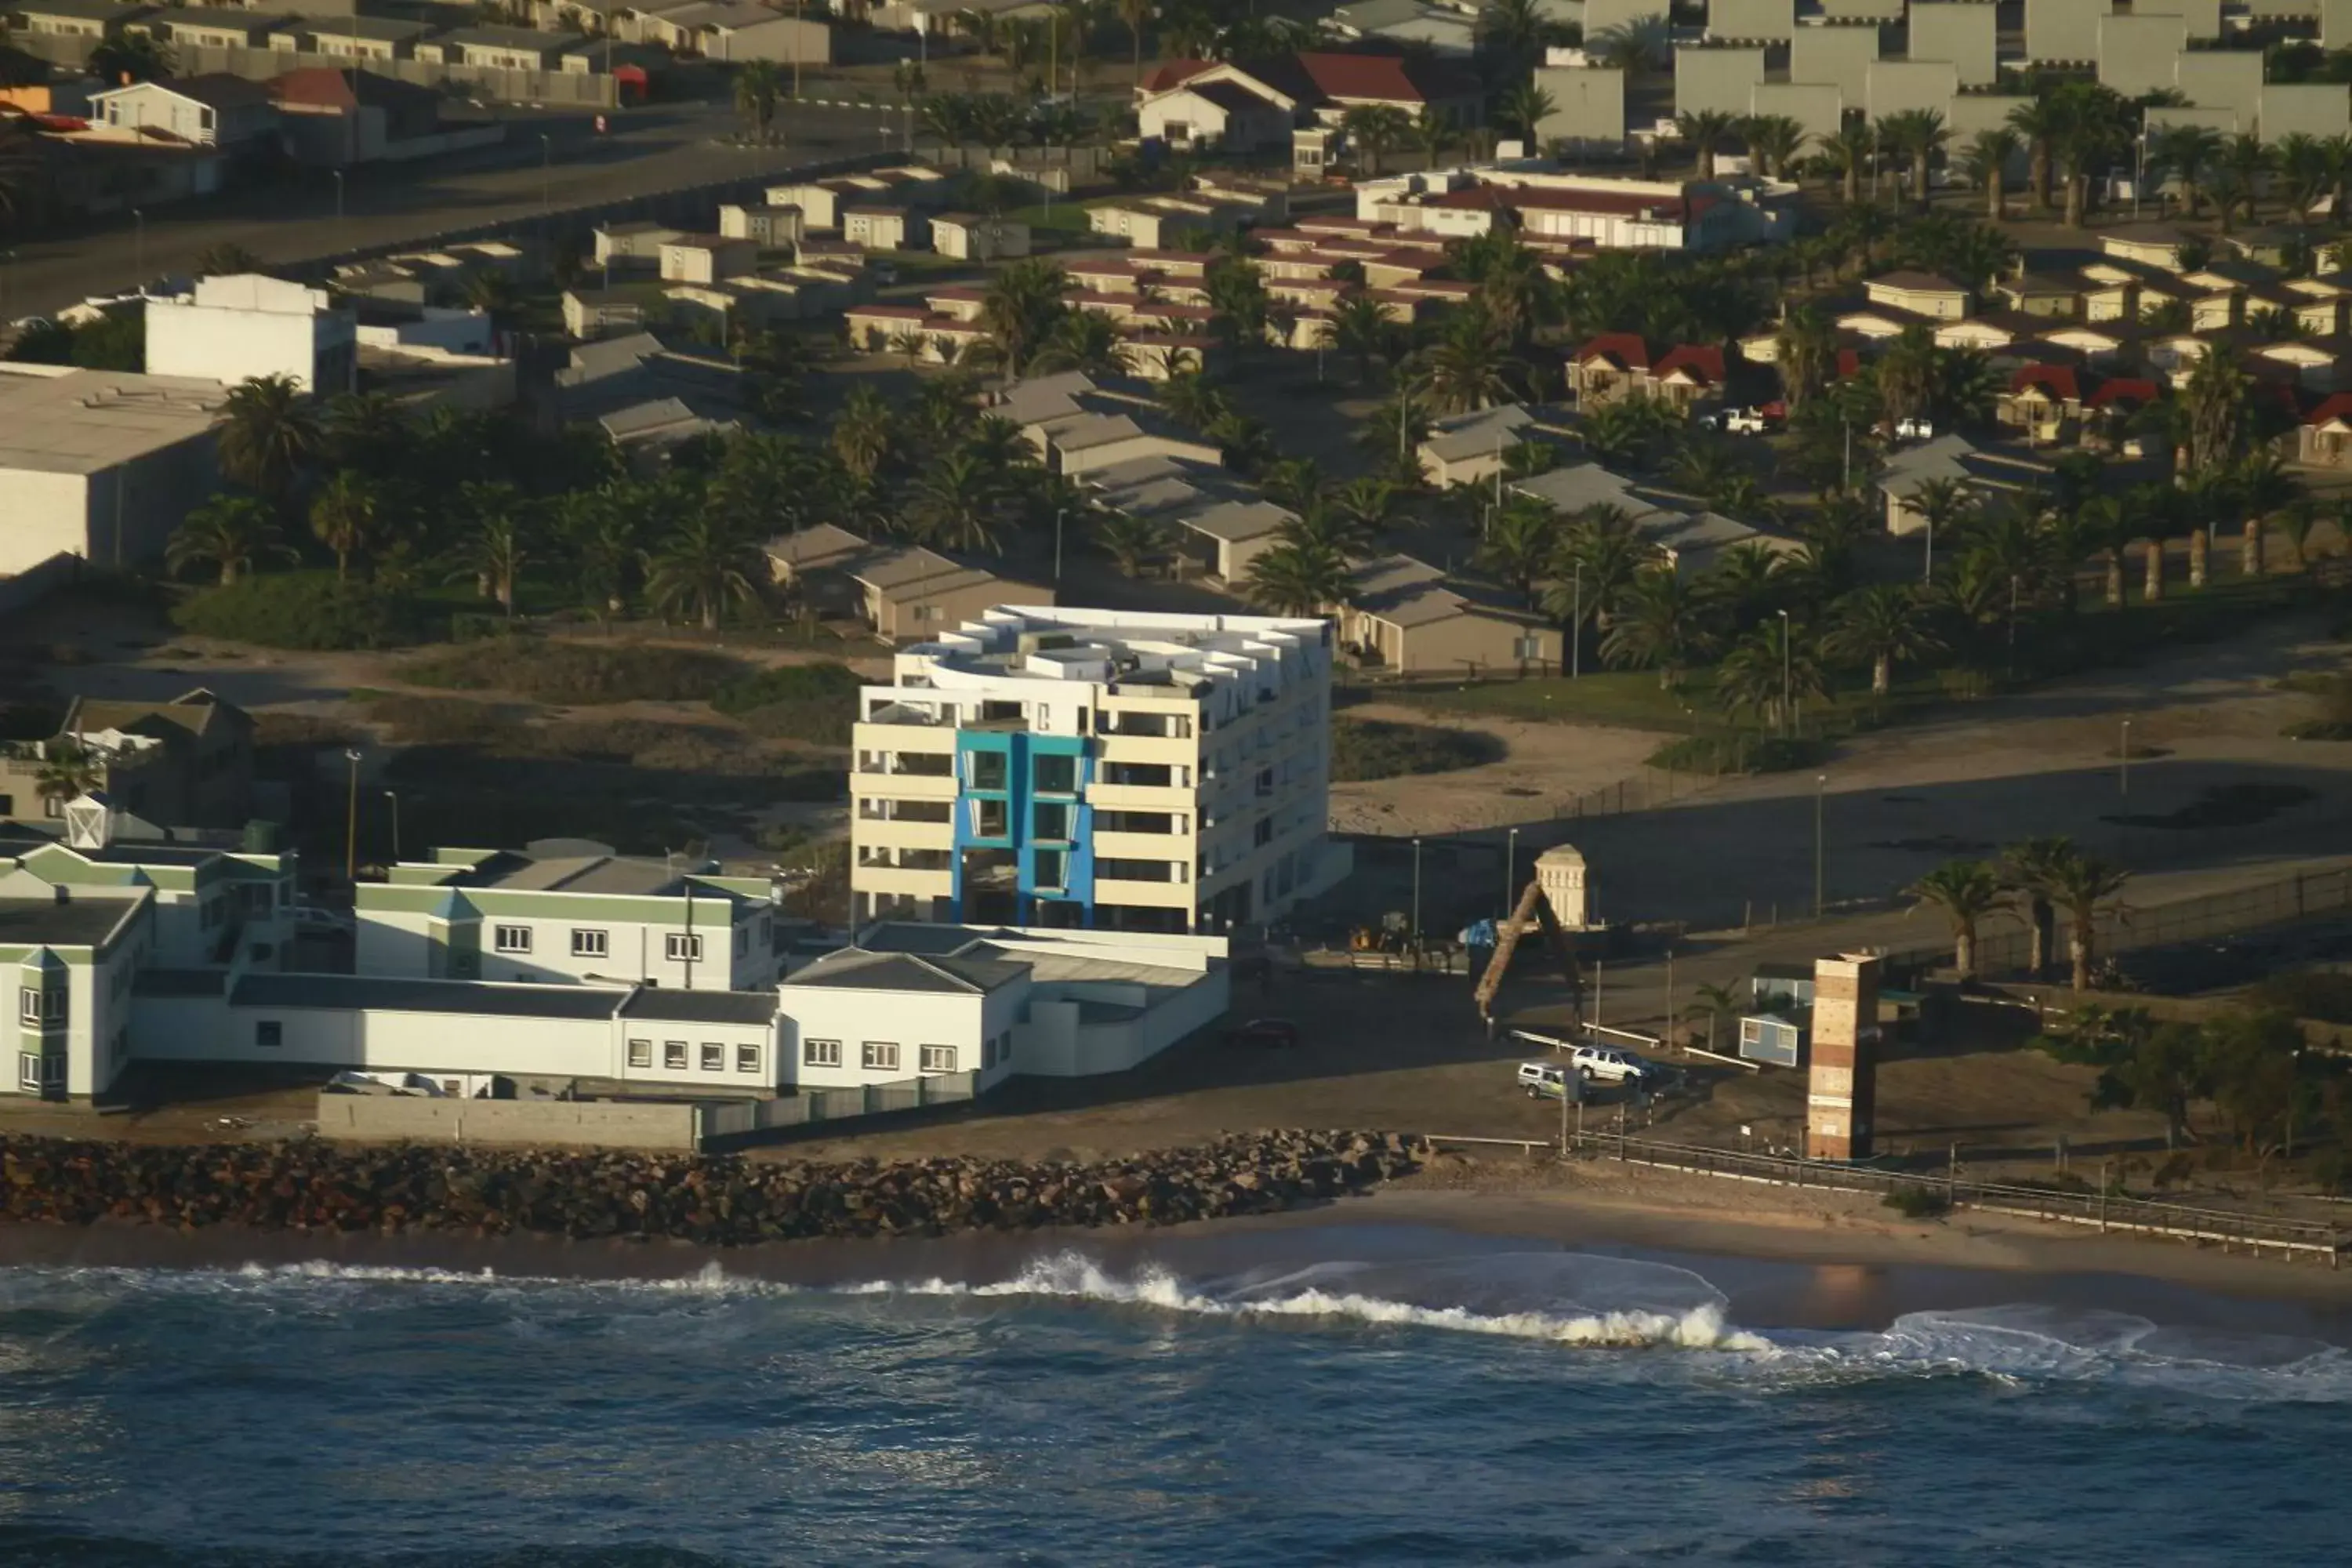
{"x":1625,"y":350}
{"x":1174,"y":73}
{"x":2058,"y":380}
{"x":2336,"y":407}
{"x":1703,"y":360}
{"x":2125,"y":389}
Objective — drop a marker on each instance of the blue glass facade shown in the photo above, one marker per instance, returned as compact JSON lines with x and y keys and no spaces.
{"x":1040,"y":782}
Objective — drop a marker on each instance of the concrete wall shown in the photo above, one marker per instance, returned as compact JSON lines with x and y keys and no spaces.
{"x":2335,"y":24}
{"x":2137,"y":53}
{"x":2225,"y":79}
{"x":1590,"y":104}
{"x":1600,"y":16}
{"x":1959,"y":32}
{"x":566,"y":88}
{"x":2203,"y":17}
{"x":2063,"y":30}
{"x":1818,"y":108}
{"x":1863,"y":10}
{"x":316,"y":348}
{"x":120,"y":516}
{"x":423,"y":1121}
{"x":1973,"y":111}
{"x":1897,"y":86}
{"x":1751,"y":21}
{"x":2316,"y":108}
{"x":1720,"y":79}
{"x":1838,"y":57}
{"x":908,"y":1020}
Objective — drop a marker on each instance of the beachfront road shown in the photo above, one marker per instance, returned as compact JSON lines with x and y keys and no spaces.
{"x":647,"y":150}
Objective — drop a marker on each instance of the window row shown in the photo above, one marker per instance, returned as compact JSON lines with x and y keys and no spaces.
{"x":881,"y":1055}
{"x":41,"y":1007}
{"x":36,"y":1070}
{"x":588,"y":942}
{"x":712,"y":1057}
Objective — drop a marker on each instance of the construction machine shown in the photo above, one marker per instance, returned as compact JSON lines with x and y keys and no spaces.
{"x":1533,"y":908}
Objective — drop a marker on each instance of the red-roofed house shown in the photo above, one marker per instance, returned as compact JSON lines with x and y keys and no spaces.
{"x":2040,"y":400}
{"x":2325,"y":438}
{"x":1255,"y":103}
{"x":1616,"y":367}
{"x":1569,"y":210}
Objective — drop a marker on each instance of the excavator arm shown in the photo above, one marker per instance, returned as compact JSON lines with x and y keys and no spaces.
{"x":1533,"y":908}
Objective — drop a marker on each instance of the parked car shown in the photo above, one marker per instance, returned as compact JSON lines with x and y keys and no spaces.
{"x":323,"y":921}
{"x":1607,"y":1064}
{"x":1544,"y":1080}
{"x":1744,"y":421}
{"x":1915,"y":430}
{"x":1264,"y":1032}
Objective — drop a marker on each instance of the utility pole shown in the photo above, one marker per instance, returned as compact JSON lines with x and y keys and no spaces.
{"x":1417,"y":891}
{"x":1059,"y":513}
{"x":1576,"y":628}
{"x":393,"y":797}
{"x":1821,"y":854}
{"x":1787,"y":680}
{"x":1510,"y":871}
{"x":352,"y":819}
{"x":2123,"y":762}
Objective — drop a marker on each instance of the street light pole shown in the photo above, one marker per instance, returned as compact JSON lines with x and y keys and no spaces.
{"x":1510,"y":871}
{"x":1576,"y":628}
{"x":546,"y":175}
{"x":1059,"y":513}
{"x":1787,"y":680}
{"x":2123,"y":762}
{"x":1820,"y":861}
{"x":139,"y":245}
{"x":393,"y":797}
{"x":352,"y":820}
{"x":1417,"y":891}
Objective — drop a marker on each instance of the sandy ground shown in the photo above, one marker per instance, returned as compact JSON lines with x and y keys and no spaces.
{"x":1545,"y":762}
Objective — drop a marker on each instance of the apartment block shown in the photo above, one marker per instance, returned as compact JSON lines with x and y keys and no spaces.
{"x":1099,"y":769}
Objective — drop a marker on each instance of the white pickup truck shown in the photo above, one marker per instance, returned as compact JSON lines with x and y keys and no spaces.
{"x":1592,"y":1064}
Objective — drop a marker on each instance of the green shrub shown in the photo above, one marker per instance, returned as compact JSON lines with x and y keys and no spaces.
{"x":441,"y":721}
{"x":2322,"y":993}
{"x":1741,"y":754}
{"x":2331,"y":710}
{"x":575,"y":673}
{"x":1365,"y":749}
{"x":812,"y":702}
{"x":1917,"y":1203}
{"x":300,"y":610}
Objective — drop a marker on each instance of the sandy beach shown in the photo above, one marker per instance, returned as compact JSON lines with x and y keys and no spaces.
{"x":1782,"y":1258}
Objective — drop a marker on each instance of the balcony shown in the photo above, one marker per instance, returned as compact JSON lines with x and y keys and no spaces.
{"x":899,"y":715}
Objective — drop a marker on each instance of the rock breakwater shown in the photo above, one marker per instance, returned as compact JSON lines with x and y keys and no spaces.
{"x":718,"y":1201}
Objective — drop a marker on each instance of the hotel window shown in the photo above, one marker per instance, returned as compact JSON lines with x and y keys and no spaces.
{"x":714,"y":1057}
{"x":588,"y":943}
{"x":674,"y":1055}
{"x":747,"y":1059}
{"x":821,"y":1053}
{"x":640,"y":1053}
{"x":28,"y":1071}
{"x":682,"y":948}
{"x":879,"y":1055}
{"x":510,"y":938}
{"x":28,"y":1005}
{"x":269,"y":1033}
{"x":939,"y":1058}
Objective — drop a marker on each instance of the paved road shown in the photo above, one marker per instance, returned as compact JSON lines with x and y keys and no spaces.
{"x":646,"y":151}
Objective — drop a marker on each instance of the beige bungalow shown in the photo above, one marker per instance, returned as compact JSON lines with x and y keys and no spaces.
{"x":969,"y":236}
{"x":2325,"y":438}
{"x":1925,"y":294}
{"x":1404,"y":617}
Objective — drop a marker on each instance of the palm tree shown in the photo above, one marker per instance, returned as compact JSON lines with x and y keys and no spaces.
{"x":1919,"y":134}
{"x":1464,"y":369}
{"x":1713,"y":1003}
{"x":2246,"y":162}
{"x":1433,"y":128}
{"x":2303,"y":166}
{"x":1296,"y":579}
{"x":68,"y":771}
{"x":1969,"y":892}
{"x":758,"y":87}
{"x":1906,"y":374}
{"x":864,"y":432}
{"x":132,"y":57}
{"x":1521,"y":538}
{"x":1525,"y":109}
{"x":2214,"y":401}
{"x":2031,"y":866}
{"x":1659,"y":623}
{"x":1632,"y":47}
{"x":1987,"y":162}
{"x":499,"y":540}
{"x":268,"y":431}
{"x":2040,"y":123}
{"x":1769,"y":671}
{"x":954,"y":504}
{"x":1360,"y":327}
{"x":1021,"y":309}
{"x":223,"y":257}
{"x":1849,"y":147}
{"x":2186,"y":152}
{"x":1084,"y":340}
{"x":1944,"y":505}
{"x":1601,"y":554}
{"x":343,"y":517}
{"x":705,"y":565}
{"x":1805,"y":350}
{"x":1135,"y":12}
{"x":1373,"y":129}
{"x":1773,"y":141}
{"x":2296,"y":525}
{"x":2080,"y":884}
{"x":1132,"y":542}
{"x":1883,"y":624}
{"x":1368,"y":504}
{"x":230,"y":533}
{"x":368,"y":431}
{"x":1704,"y":129}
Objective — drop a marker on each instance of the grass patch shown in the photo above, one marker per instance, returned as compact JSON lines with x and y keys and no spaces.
{"x":300,"y":610}
{"x":1366,"y":749}
{"x":572,"y":672}
{"x":1066,"y":216}
{"x":1917,"y":1202}
{"x":1630,"y":700}
{"x":810,"y":702}
{"x":1740,"y":752}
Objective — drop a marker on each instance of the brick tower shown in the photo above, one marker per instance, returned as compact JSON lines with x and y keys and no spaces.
{"x":1841,"y":1091}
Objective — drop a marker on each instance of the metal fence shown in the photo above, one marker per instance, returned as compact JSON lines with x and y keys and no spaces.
{"x":746,"y":1118}
{"x":2126,"y":928}
{"x":2109,"y":1212}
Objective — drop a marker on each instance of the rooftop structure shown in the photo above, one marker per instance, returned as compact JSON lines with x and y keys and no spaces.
{"x":98,"y":463}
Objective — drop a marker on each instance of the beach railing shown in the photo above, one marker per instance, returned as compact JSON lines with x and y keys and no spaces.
{"x":2229,"y":1231}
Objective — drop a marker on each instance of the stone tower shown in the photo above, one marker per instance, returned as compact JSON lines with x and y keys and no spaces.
{"x":1560,"y":872}
{"x":1841,"y":1090}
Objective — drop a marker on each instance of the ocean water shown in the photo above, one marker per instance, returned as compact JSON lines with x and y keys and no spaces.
{"x":1353,"y":1395}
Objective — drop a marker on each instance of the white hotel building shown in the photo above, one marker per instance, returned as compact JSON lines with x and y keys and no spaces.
{"x":1101,"y":769}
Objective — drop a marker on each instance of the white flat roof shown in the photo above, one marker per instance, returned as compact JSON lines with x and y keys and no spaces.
{"x":85,"y":421}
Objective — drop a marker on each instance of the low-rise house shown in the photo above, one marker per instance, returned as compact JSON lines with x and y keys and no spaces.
{"x":213,"y":109}
{"x":1679,"y":531}
{"x":1221,"y":524}
{"x":878,"y":227}
{"x":1616,"y":367}
{"x":1468,"y":448}
{"x":2043,"y":403}
{"x":1156,"y":222}
{"x":102,"y":465}
{"x":969,"y":236}
{"x":1925,"y":294}
{"x":590,"y":313}
{"x":78,"y":18}
{"x":366,"y":37}
{"x":1990,"y":470}
{"x":499,"y":48}
{"x":901,"y":593}
{"x":2323,"y":438}
{"x":331,"y":117}
{"x":705,"y":257}
{"x":185,"y":762}
{"x":1556,"y":212}
{"x":1079,"y":424}
{"x":637,"y":241}
{"x":214,"y":27}
{"x":235,"y":327}
{"x":648,"y":396}
{"x":2152,"y":245}
{"x":1404,"y":617}
{"x":769,"y":228}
